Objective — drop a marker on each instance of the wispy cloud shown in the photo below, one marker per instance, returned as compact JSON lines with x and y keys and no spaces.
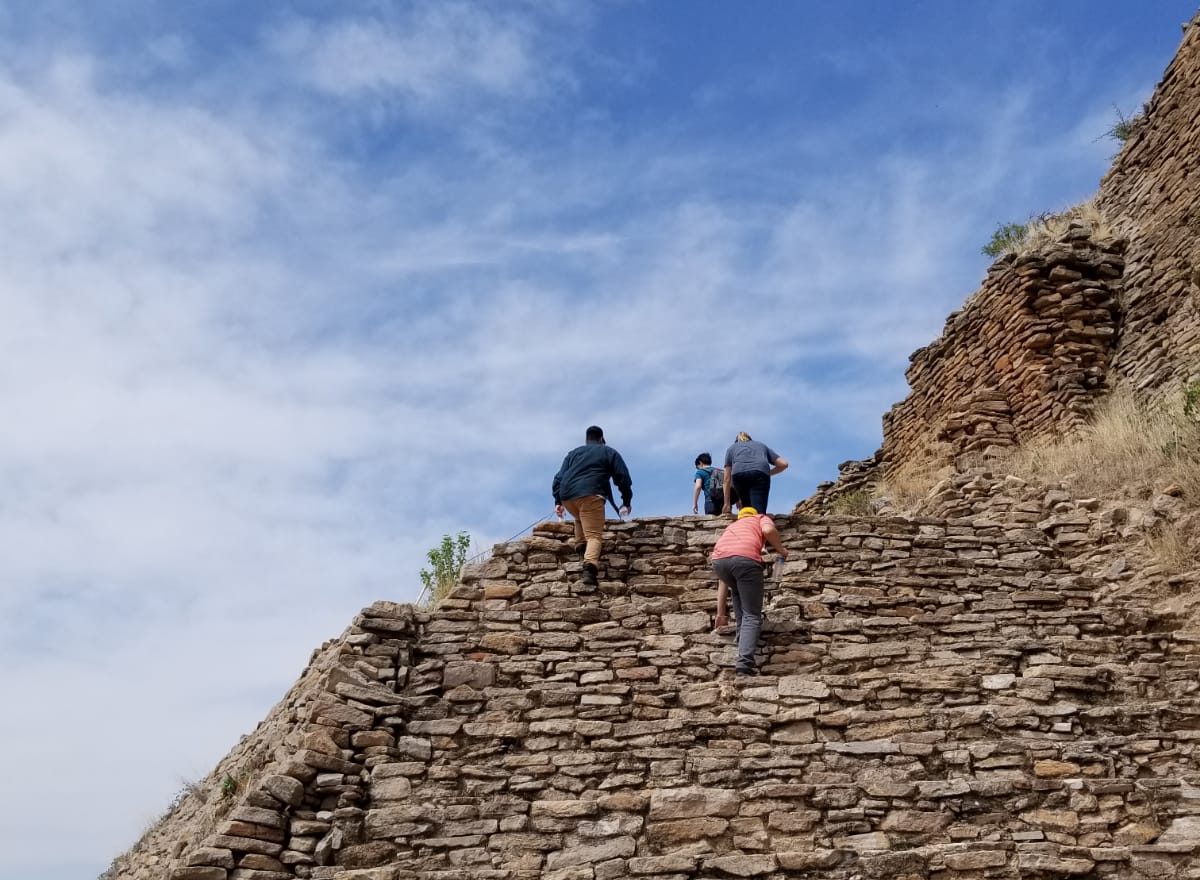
{"x":254,"y":363}
{"x":425,"y":56}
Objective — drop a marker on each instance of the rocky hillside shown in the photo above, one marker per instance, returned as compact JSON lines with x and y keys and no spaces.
{"x":1054,"y":327}
{"x":988,"y":688}
{"x":942,"y":697}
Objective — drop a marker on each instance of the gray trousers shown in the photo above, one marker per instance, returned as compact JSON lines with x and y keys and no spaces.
{"x":744,"y":577}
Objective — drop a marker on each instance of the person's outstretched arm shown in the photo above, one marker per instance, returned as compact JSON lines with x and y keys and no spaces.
{"x":771,"y":536}
{"x":696,"y":495}
{"x":620,"y":476}
{"x":781,"y":465}
{"x":728,"y":484}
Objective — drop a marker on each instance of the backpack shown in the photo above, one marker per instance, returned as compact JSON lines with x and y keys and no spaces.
{"x":715,"y":487}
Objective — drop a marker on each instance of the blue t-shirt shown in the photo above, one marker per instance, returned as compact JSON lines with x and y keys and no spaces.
{"x":706,"y":475}
{"x":750,"y":455}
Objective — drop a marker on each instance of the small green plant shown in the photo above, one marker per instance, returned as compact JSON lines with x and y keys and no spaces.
{"x":1191,"y":400}
{"x":1007,"y":237}
{"x":855,"y":503}
{"x":1046,"y":228}
{"x":446,"y":562}
{"x":229,"y":786}
{"x":1125,"y":126}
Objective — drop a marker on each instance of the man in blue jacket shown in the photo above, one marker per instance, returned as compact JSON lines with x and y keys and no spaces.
{"x":582,"y":486}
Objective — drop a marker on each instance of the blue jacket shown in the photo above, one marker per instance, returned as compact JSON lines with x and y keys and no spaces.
{"x":586,"y":471}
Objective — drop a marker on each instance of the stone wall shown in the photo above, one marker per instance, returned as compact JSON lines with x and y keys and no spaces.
{"x":289,"y":779}
{"x":983,"y":693}
{"x":940,"y":698}
{"x":1033,"y":349}
{"x":1027,"y":355}
{"x":1152,"y":194}
{"x":201,"y":807}
{"x":1024,"y":356}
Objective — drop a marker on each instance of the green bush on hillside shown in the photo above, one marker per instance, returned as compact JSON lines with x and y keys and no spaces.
{"x":1007,"y":237}
{"x":1191,"y":400}
{"x":1125,"y":126}
{"x":446,"y":562}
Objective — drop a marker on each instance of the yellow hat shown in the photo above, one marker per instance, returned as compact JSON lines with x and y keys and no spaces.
{"x":747,"y":511}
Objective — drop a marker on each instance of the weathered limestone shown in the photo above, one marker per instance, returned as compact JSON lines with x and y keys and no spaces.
{"x":980,"y":692}
{"x":1032,"y":350}
{"x":1022,"y":358}
{"x":940,"y":697}
{"x":1152,"y":194}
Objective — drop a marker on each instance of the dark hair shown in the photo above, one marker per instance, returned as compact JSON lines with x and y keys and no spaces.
{"x":703,"y":459}
{"x":595,"y":434}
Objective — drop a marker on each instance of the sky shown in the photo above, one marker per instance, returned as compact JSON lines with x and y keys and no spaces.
{"x":290,"y":290}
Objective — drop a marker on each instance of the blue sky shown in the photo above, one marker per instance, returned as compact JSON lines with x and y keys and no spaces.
{"x":291,"y":290}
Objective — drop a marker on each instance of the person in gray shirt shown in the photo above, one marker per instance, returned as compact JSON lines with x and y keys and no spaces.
{"x":749,"y":466}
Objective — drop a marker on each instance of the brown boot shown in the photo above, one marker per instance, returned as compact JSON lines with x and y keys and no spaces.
{"x":589,"y":575}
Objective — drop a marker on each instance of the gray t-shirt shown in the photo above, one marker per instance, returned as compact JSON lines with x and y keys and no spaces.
{"x":750,"y":455}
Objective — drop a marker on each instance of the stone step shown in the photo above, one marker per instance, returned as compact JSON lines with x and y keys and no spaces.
{"x":856,"y":858}
{"x":1046,"y":670}
{"x":883,"y":827}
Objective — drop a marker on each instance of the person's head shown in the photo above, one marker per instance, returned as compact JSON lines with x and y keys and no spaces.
{"x":595,"y":434}
{"x":742,"y":437}
{"x":703,"y":459}
{"x":746,"y":511}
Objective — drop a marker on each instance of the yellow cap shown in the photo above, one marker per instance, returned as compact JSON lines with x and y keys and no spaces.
{"x":747,"y":511}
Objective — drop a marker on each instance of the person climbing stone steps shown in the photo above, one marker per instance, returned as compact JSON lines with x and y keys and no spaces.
{"x":737,"y":560}
{"x":749,"y":466}
{"x":581,"y":487}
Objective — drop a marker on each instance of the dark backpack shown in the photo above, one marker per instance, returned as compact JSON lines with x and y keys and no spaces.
{"x":715,"y":487}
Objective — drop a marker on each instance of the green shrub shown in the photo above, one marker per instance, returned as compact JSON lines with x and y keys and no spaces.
{"x":446,"y":562}
{"x":1191,"y":400}
{"x":1125,"y":126}
{"x":1007,"y":237}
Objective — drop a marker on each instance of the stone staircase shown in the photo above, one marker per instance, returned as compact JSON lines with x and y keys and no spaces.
{"x":940,"y":699}
{"x":982,"y":693}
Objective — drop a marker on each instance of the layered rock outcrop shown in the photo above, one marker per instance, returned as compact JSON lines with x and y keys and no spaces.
{"x":982,"y":692}
{"x":1152,"y":194}
{"x":1031,"y":351}
{"x":941,"y":697}
{"x":1024,"y":357}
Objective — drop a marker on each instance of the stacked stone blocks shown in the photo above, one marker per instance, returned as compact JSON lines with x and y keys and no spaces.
{"x":1152,"y":194}
{"x":942,"y":698}
{"x":1023,"y":358}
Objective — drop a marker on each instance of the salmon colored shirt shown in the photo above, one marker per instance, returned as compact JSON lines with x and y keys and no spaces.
{"x":742,"y":538}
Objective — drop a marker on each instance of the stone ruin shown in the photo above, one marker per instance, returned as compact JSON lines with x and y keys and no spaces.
{"x":982,"y":692}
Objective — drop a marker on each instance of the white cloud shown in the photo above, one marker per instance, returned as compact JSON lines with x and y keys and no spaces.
{"x":434,"y":53}
{"x":247,"y":381}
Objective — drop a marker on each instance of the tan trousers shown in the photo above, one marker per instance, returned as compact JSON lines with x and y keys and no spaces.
{"x":589,"y":524}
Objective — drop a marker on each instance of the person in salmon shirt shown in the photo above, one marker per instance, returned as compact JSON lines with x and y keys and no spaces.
{"x":737,"y":561}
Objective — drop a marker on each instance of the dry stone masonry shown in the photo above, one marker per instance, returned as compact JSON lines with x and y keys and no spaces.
{"x":981,"y":692}
{"x":941,"y":698}
{"x":1023,"y":358}
{"x":1026,"y":356}
{"x":1152,"y":193}
{"x":1028,"y":352}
